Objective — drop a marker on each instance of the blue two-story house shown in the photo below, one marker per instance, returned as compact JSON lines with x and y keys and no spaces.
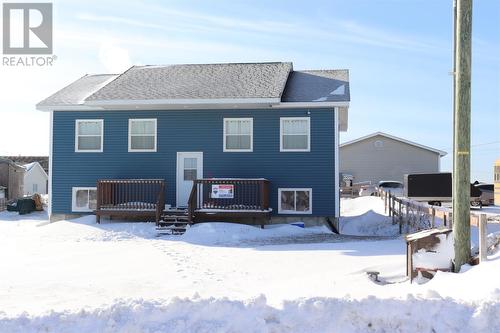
{"x":194,"y":124}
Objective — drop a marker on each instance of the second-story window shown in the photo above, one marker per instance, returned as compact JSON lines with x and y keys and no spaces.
{"x":89,"y":135}
{"x":238,"y":134}
{"x":295,"y":134}
{"x":142,"y":135}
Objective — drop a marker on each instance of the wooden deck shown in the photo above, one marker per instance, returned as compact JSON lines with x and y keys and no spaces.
{"x":130,"y":198}
{"x":214,"y":199}
{"x":229,"y":199}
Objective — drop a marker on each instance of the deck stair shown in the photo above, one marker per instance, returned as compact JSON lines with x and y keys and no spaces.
{"x":173,"y":222}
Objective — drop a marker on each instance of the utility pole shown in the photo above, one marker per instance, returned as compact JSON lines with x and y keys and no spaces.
{"x":461,"y":149}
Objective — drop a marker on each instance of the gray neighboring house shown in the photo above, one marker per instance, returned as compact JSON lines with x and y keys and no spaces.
{"x":380,"y":156}
{"x":12,"y":177}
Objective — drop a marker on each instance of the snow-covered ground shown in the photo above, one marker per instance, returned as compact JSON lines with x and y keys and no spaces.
{"x":77,"y":276}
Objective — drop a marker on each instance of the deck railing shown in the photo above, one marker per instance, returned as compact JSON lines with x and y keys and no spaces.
{"x":146,"y":196}
{"x":229,"y":195}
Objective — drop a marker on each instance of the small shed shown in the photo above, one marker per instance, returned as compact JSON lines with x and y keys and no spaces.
{"x":12,"y":177}
{"x":380,"y":156}
{"x":35,"y":179}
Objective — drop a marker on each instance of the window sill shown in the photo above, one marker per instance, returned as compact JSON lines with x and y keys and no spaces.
{"x":295,"y":150}
{"x":142,"y":151}
{"x":293,"y":212}
{"x":237,"y":150}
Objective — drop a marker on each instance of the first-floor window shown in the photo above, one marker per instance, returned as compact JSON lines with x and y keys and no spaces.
{"x":142,"y":135}
{"x":295,"y":201}
{"x":84,"y":199}
{"x":35,"y":188}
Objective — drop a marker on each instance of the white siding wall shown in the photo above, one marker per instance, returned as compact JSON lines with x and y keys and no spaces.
{"x":35,"y":176}
{"x":367,"y":161}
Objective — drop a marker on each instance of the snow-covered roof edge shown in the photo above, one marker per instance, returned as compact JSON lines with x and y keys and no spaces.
{"x":437,"y":151}
{"x":31,"y":165}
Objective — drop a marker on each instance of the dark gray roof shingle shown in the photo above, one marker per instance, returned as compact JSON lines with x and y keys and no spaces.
{"x":76,"y":92}
{"x":198,"y":81}
{"x":204,"y":83}
{"x":318,"y":86}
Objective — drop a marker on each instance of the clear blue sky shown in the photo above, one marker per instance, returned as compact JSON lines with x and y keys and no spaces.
{"x":399,"y":54}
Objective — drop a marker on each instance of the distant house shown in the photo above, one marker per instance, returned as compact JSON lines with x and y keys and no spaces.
{"x":23,"y":159}
{"x":258,"y":138}
{"x":35,"y":179}
{"x":380,"y":156}
{"x":11,"y":178}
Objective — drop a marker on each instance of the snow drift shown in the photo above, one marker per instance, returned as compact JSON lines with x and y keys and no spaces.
{"x":308,"y":315}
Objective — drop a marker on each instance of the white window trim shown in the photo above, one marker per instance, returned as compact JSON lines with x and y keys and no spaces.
{"x":295,"y":189}
{"x":73,"y":199}
{"x":226,"y":150}
{"x":308,"y":149}
{"x":77,"y":121}
{"x":130,"y":150}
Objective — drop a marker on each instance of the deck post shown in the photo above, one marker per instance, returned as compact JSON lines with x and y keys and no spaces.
{"x":385,"y":201}
{"x":483,"y":247}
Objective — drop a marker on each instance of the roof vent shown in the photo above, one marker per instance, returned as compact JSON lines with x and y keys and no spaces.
{"x":379,"y":144}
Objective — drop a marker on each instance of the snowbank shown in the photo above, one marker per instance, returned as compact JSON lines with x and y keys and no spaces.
{"x":364,"y":216}
{"x":434,"y":314}
{"x":78,"y":276}
{"x":229,"y":233}
{"x":440,"y":257}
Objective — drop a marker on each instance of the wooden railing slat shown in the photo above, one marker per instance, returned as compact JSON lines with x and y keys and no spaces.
{"x":249,"y":194}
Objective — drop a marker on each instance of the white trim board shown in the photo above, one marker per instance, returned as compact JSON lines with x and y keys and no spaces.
{"x":49,"y":183}
{"x":437,"y":151}
{"x":208,"y":105}
{"x":336,"y":164}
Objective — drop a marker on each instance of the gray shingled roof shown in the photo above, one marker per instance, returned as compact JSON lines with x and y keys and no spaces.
{"x":198,"y":81}
{"x":78,"y":91}
{"x":204,"y":83}
{"x":317,"y":86}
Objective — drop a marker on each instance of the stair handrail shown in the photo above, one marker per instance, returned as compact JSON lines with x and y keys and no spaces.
{"x":160,"y":202}
{"x":193,"y":200}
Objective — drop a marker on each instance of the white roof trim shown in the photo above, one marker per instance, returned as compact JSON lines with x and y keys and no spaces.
{"x":311,"y":104}
{"x":196,"y":106}
{"x":69,"y":107}
{"x":437,"y":151}
{"x":145,"y":102}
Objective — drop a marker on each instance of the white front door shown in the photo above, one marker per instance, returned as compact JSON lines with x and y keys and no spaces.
{"x":189,"y":168}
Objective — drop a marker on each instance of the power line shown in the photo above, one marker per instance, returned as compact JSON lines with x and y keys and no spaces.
{"x":485,"y":144}
{"x":476,"y":145}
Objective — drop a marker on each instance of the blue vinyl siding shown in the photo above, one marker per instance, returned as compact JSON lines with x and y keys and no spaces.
{"x":197,"y":130}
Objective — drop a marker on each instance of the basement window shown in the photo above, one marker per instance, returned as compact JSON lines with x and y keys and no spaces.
{"x":295,"y":201}
{"x":84,"y":199}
